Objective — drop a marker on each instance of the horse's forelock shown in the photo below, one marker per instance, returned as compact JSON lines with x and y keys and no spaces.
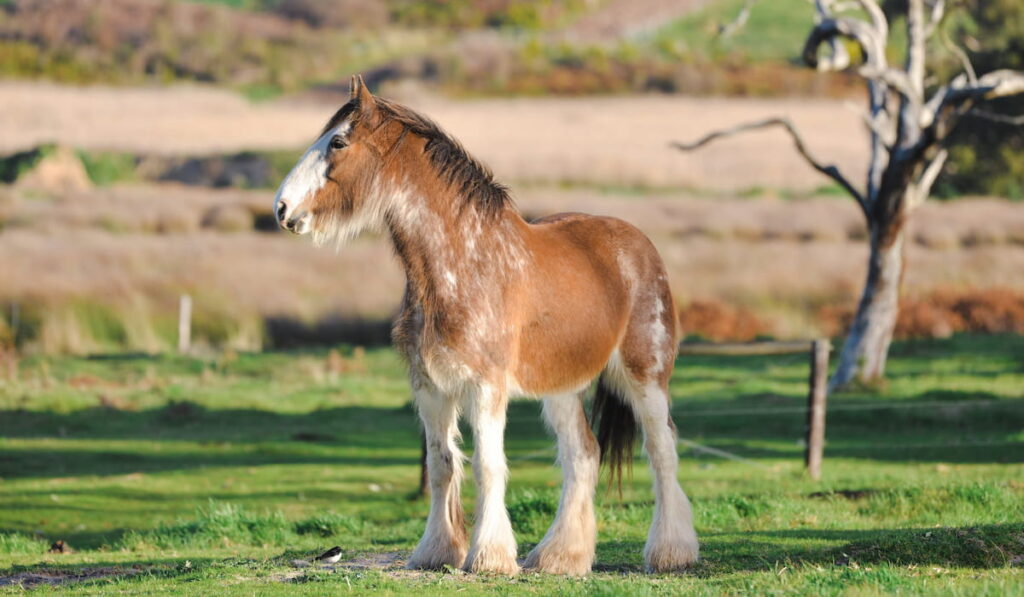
{"x":351,"y":107}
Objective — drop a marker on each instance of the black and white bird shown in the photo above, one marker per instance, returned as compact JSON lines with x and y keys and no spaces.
{"x":331,"y":556}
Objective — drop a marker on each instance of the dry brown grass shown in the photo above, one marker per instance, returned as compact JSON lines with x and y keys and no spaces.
{"x":602,"y":141}
{"x":715,"y":320}
{"x":945,"y":311}
{"x":119,"y":257}
{"x":93,"y":260}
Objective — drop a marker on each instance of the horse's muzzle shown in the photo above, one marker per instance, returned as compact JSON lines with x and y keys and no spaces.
{"x":297,"y":223}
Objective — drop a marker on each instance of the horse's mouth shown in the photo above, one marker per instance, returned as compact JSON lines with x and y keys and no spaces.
{"x":298,"y":223}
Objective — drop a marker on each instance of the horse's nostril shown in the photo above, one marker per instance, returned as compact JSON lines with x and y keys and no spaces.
{"x":280,"y":211}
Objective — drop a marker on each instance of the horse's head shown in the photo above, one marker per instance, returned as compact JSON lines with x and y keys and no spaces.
{"x":334,"y":189}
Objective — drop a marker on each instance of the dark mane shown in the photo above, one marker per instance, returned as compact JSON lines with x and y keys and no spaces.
{"x":473,"y":180}
{"x":339,"y":116}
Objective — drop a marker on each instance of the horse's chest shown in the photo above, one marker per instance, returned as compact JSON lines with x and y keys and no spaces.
{"x":456,"y":347}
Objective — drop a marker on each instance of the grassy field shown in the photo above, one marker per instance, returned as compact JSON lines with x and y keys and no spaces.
{"x":774,"y":31}
{"x":209,"y":475}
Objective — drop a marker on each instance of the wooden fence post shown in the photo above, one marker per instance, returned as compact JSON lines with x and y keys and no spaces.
{"x":185,"y":324}
{"x":816,"y":401}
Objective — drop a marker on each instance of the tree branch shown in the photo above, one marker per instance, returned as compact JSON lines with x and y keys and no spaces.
{"x":955,"y":50}
{"x":999,"y":83}
{"x":829,"y":170}
{"x":959,"y":95}
{"x":994,"y":117}
{"x":996,"y":84}
{"x":892,"y":77}
{"x":736,"y":24}
{"x":872,"y":45}
{"x":879,"y":124}
{"x":858,"y":31}
{"x":916,"y":38}
{"x":923,"y":188}
{"x":877,"y":17}
{"x":936,"y":15}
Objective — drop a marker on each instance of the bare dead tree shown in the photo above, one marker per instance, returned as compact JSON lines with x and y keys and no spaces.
{"x":909,"y":122}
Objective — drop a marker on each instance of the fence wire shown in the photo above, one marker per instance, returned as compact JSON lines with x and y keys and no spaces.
{"x":549,"y":453}
{"x":832,"y":407}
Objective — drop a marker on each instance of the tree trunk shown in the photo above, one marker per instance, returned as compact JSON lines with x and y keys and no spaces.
{"x":867,"y":345}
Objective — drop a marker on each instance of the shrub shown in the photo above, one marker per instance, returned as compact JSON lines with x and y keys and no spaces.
{"x":942,"y":313}
{"x":21,"y":544}
{"x":13,"y":166}
{"x":719,"y":321}
{"x":329,"y":525}
{"x":216,"y":524}
{"x":107,"y":167}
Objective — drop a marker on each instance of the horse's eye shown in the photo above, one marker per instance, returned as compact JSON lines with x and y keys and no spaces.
{"x":337,"y":142}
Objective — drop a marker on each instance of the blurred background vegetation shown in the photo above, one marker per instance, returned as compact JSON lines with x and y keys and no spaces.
{"x":110,"y":229}
{"x":266,"y":48}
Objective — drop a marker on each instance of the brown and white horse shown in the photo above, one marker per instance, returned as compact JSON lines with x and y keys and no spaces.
{"x":497,"y":307}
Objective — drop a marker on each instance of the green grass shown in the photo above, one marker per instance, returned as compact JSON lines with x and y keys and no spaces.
{"x":108,"y":167}
{"x":201,"y":476}
{"x":775,"y":30}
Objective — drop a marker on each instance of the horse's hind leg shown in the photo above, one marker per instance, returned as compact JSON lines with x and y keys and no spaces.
{"x":444,"y":542}
{"x":672,"y":541}
{"x":568,"y":546}
{"x":644,"y":367}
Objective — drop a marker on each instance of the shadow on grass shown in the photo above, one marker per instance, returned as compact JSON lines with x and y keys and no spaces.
{"x":972,"y":428}
{"x":42,"y":463}
{"x":108,"y":575}
{"x":989,"y":546}
{"x":186,"y":435}
{"x":935,"y":425}
{"x":981,"y":547}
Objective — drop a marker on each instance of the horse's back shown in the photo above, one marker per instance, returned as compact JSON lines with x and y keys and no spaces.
{"x":617,"y":250}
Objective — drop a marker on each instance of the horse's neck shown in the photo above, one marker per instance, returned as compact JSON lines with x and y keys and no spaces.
{"x":453,"y":252}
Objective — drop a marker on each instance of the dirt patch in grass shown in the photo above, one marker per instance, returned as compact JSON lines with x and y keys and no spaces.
{"x":392,"y":563}
{"x":392,"y":560}
{"x":33,"y":578}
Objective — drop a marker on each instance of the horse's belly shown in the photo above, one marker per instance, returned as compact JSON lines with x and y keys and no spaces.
{"x":563,"y":354}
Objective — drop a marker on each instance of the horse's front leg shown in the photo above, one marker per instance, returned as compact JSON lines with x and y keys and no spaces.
{"x":493,"y":548}
{"x":568,"y":546}
{"x":444,"y":541}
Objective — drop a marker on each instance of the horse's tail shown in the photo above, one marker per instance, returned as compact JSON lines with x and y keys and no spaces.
{"x":616,"y":429}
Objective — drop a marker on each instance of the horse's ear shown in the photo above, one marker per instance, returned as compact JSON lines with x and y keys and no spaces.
{"x":359,"y":90}
{"x":361,"y":94}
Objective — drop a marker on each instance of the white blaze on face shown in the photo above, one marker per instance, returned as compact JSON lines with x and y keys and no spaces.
{"x":306,"y":179}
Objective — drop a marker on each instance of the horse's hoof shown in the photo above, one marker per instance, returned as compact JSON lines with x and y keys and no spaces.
{"x":671,"y":557}
{"x":435,"y":558}
{"x":551,"y":560}
{"x":493,"y":559}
